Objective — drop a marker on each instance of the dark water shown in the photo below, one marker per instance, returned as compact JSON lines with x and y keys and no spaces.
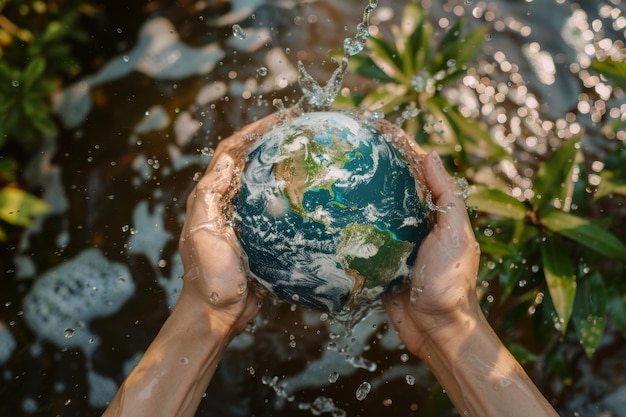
{"x":85,"y":290}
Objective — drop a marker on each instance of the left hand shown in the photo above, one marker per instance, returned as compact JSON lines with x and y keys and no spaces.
{"x":215,"y":278}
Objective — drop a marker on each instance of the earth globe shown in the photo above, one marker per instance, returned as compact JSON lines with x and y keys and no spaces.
{"x":328,"y":214}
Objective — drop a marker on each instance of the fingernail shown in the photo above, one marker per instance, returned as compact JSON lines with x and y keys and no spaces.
{"x":224,"y":162}
{"x":436,"y":159}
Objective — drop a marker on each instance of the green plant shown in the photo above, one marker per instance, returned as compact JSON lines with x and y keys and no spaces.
{"x":35,"y":56}
{"x":411,"y":76}
{"x":17,"y":206}
{"x":550,"y":261}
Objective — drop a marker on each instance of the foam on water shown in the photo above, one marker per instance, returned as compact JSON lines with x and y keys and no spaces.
{"x":7,"y":343}
{"x":159,"y":53}
{"x":64,"y":300}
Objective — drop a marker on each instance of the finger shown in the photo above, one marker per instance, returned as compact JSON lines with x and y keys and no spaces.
{"x":204,"y":205}
{"x":213,"y":186}
{"x":446,"y":193}
{"x":238,"y":144}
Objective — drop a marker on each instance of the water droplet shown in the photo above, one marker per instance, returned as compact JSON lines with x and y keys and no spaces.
{"x":333,"y":377}
{"x":69,"y":332}
{"x":214,"y":297}
{"x":404,"y":357}
{"x":184,"y":361}
{"x":68,"y":401}
{"x":352,"y":46}
{"x":238,"y":32}
{"x":415,"y":293}
{"x":206,"y":151}
{"x":125,"y":58}
{"x":197,"y":176}
{"x":15,"y":83}
{"x":363,"y":390}
{"x":410,"y":379}
{"x":262,"y":71}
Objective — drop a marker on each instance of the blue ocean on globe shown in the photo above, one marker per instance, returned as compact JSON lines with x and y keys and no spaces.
{"x":328,"y":214}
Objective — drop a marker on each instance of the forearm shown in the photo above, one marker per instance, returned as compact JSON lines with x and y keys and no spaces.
{"x":480,"y":375}
{"x":175,"y":370}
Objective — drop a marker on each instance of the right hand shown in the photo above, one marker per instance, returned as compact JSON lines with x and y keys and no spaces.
{"x":442,"y":292}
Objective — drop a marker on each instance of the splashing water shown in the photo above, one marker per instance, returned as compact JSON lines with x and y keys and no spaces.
{"x":238,"y":32}
{"x":323,"y":405}
{"x":363,"y":390}
{"x":316,"y":97}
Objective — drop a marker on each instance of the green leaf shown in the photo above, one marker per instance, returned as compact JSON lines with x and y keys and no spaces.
{"x":616,"y":306}
{"x":387,"y":58}
{"x":55,"y":31}
{"x":44,"y":123}
{"x":613,"y":70}
{"x":366,"y":67}
{"x":388,"y":101}
{"x":33,"y":71}
{"x":471,"y":46}
{"x":584,"y":232}
{"x":19,"y":207}
{"x":417,"y":44}
{"x":553,"y":173}
{"x":611,"y":183}
{"x":496,"y":249}
{"x":449,"y":47}
{"x":471,"y":134}
{"x":613,"y":176}
{"x":560,"y":277}
{"x":497,"y":202}
{"x":589,"y":315}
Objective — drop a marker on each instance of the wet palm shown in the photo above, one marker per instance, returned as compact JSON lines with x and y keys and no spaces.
{"x":214,"y":273}
{"x":442,"y":290}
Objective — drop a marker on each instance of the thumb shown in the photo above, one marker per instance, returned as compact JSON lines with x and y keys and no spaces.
{"x":204,"y":202}
{"x":446,"y":193}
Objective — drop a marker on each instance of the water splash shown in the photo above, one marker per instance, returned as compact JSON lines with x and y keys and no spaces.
{"x":363,"y":390}
{"x":323,"y":405}
{"x":277,"y":386}
{"x":239,"y":33}
{"x":318,"y":98}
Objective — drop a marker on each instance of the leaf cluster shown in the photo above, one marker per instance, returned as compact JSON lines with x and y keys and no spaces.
{"x":35,"y":55}
{"x":551,"y":261}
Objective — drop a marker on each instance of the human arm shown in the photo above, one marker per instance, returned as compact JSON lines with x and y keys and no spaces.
{"x":440,"y":320}
{"x":215,"y":303}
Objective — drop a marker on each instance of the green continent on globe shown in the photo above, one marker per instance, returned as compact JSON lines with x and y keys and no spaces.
{"x":328,"y":213}
{"x":369,"y":254}
{"x":307,"y":165}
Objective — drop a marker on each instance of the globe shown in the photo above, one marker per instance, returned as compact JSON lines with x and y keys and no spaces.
{"x":328,"y":214}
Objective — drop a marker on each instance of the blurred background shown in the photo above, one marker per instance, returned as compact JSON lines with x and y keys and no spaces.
{"x":110,"y":110}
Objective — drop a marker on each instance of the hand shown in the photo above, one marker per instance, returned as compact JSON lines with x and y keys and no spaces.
{"x":442,"y":292}
{"x":215,"y":278}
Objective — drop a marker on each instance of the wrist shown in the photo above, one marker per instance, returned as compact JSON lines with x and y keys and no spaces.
{"x":201,"y":323}
{"x":454,"y":333}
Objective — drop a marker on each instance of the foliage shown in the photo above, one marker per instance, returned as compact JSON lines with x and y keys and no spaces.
{"x":551,"y":261}
{"x":411,"y":75}
{"x":616,"y":72}
{"x":35,"y":55}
